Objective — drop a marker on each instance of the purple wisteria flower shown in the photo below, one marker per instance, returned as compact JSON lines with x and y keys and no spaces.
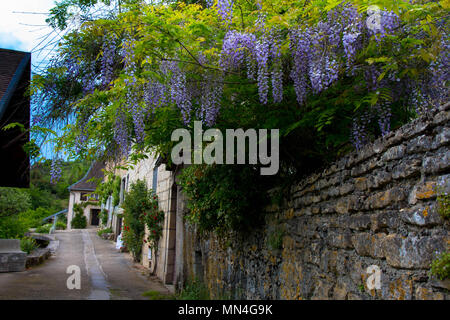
{"x":121,"y":134}
{"x":107,"y":62}
{"x":262,"y":59}
{"x":225,"y":8}
{"x":55,"y":170}
{"x":299,"y":46}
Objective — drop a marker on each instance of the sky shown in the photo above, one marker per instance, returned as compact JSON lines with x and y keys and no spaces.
{"x":23,"y":28}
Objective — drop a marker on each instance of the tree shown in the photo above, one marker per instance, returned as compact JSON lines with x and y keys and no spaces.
{"x":13,"y":201}
{"x":319,"y":71}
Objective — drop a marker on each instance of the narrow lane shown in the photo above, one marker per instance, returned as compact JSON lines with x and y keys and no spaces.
{"x":99,"y":290}
{"x":105,"y":272}
{"x":49,"y":280}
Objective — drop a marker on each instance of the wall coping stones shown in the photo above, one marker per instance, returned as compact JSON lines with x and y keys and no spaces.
{"x":390,"y":148}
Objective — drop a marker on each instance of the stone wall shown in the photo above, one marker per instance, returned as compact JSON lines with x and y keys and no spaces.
{"x":373,"y":207}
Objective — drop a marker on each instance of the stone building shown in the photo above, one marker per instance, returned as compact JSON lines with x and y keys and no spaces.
{"x":166,"y":262}
{"x":82,"y":193}
{"x":15,"y":70}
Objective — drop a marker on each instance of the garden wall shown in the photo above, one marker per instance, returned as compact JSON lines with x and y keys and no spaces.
{"x":373,"y":207}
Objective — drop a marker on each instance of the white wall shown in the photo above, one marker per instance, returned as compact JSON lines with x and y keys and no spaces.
{"x":75,"y":198}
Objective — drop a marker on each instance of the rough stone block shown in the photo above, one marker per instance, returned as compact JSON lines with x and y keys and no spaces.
{"x":386,"y":198}
{"x":340,"y":291}
{"x":407,"y":169}
{"x":441,"y":138}
{"x":369,"y":245}
{"x":398,"y":289}
{"x":361,"y":183}
{"x":421,"y":215}
{"x":383,"y":220}
{"x":340,"y":240}
{"x":437,"y":163}
{"x":419,"y":144}
{"x":443,"y":184}
{"x":346,"y":189}
{"x":441,"y":118}
{"x":411,"y":252}
{"x":359,"y":222}
{"x":353,"y":296}
{"x":422,"y":191}
{"x":393,"y":153}
{"x":347,"y":204}
{"x":328,"y":261}
{"x":322,"y":291}
{"x":379,"y":179}
{"x":424,"y":293}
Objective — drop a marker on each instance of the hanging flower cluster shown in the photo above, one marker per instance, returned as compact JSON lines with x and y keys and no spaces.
{"x":190,"y":64}
{"x":55,"y":170}
{"x":107,"y":61}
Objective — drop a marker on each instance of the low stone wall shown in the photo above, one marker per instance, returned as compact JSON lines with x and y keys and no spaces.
{"x":373,"y":207}
{"x":37,"y":257}
{"x":12,"y":258}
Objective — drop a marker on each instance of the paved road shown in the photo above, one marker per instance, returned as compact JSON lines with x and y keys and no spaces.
{"x":105,"y":272}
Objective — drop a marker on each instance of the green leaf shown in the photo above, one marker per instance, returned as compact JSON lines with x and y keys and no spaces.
{"x":14,"y":125}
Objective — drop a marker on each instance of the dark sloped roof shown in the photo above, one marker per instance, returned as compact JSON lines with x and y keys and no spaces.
{"x":95,"y":171}
{"x":12,"y":65}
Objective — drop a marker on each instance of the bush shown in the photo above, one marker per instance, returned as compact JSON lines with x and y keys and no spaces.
{"x":79,"y":221}
{"x":44,"y":229}
{"x":116,"y":191}
{"x":15,"y":226}
{"x":194,"y":290}
{"x":223,"y":198}
{"x":104,"y":217}
{"x":153,"y":218}
{"x":60,"y":225}
{"x":102,"y":231}
{"x":441,"y":266}
{"x":28,"y":244}
{"x":137,"y":202}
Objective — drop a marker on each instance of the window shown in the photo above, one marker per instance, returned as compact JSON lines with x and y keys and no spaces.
{"x":88,"y":196}
{"x":155,"y":179}
{"x":122,"y":189}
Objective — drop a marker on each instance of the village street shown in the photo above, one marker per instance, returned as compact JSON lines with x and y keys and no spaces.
{"x":105,"y":272}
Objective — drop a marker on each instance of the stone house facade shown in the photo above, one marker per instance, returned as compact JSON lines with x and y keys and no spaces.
{"x":166,"y":261}
{"x":82,"y":193}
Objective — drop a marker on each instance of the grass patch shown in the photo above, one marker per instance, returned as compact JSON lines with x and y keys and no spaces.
{"x":28,"y":244}
{"x":102,"y":231}
{"x":156,"y":295}
{"x":194,"y":290}
{"x":44,"y":229}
